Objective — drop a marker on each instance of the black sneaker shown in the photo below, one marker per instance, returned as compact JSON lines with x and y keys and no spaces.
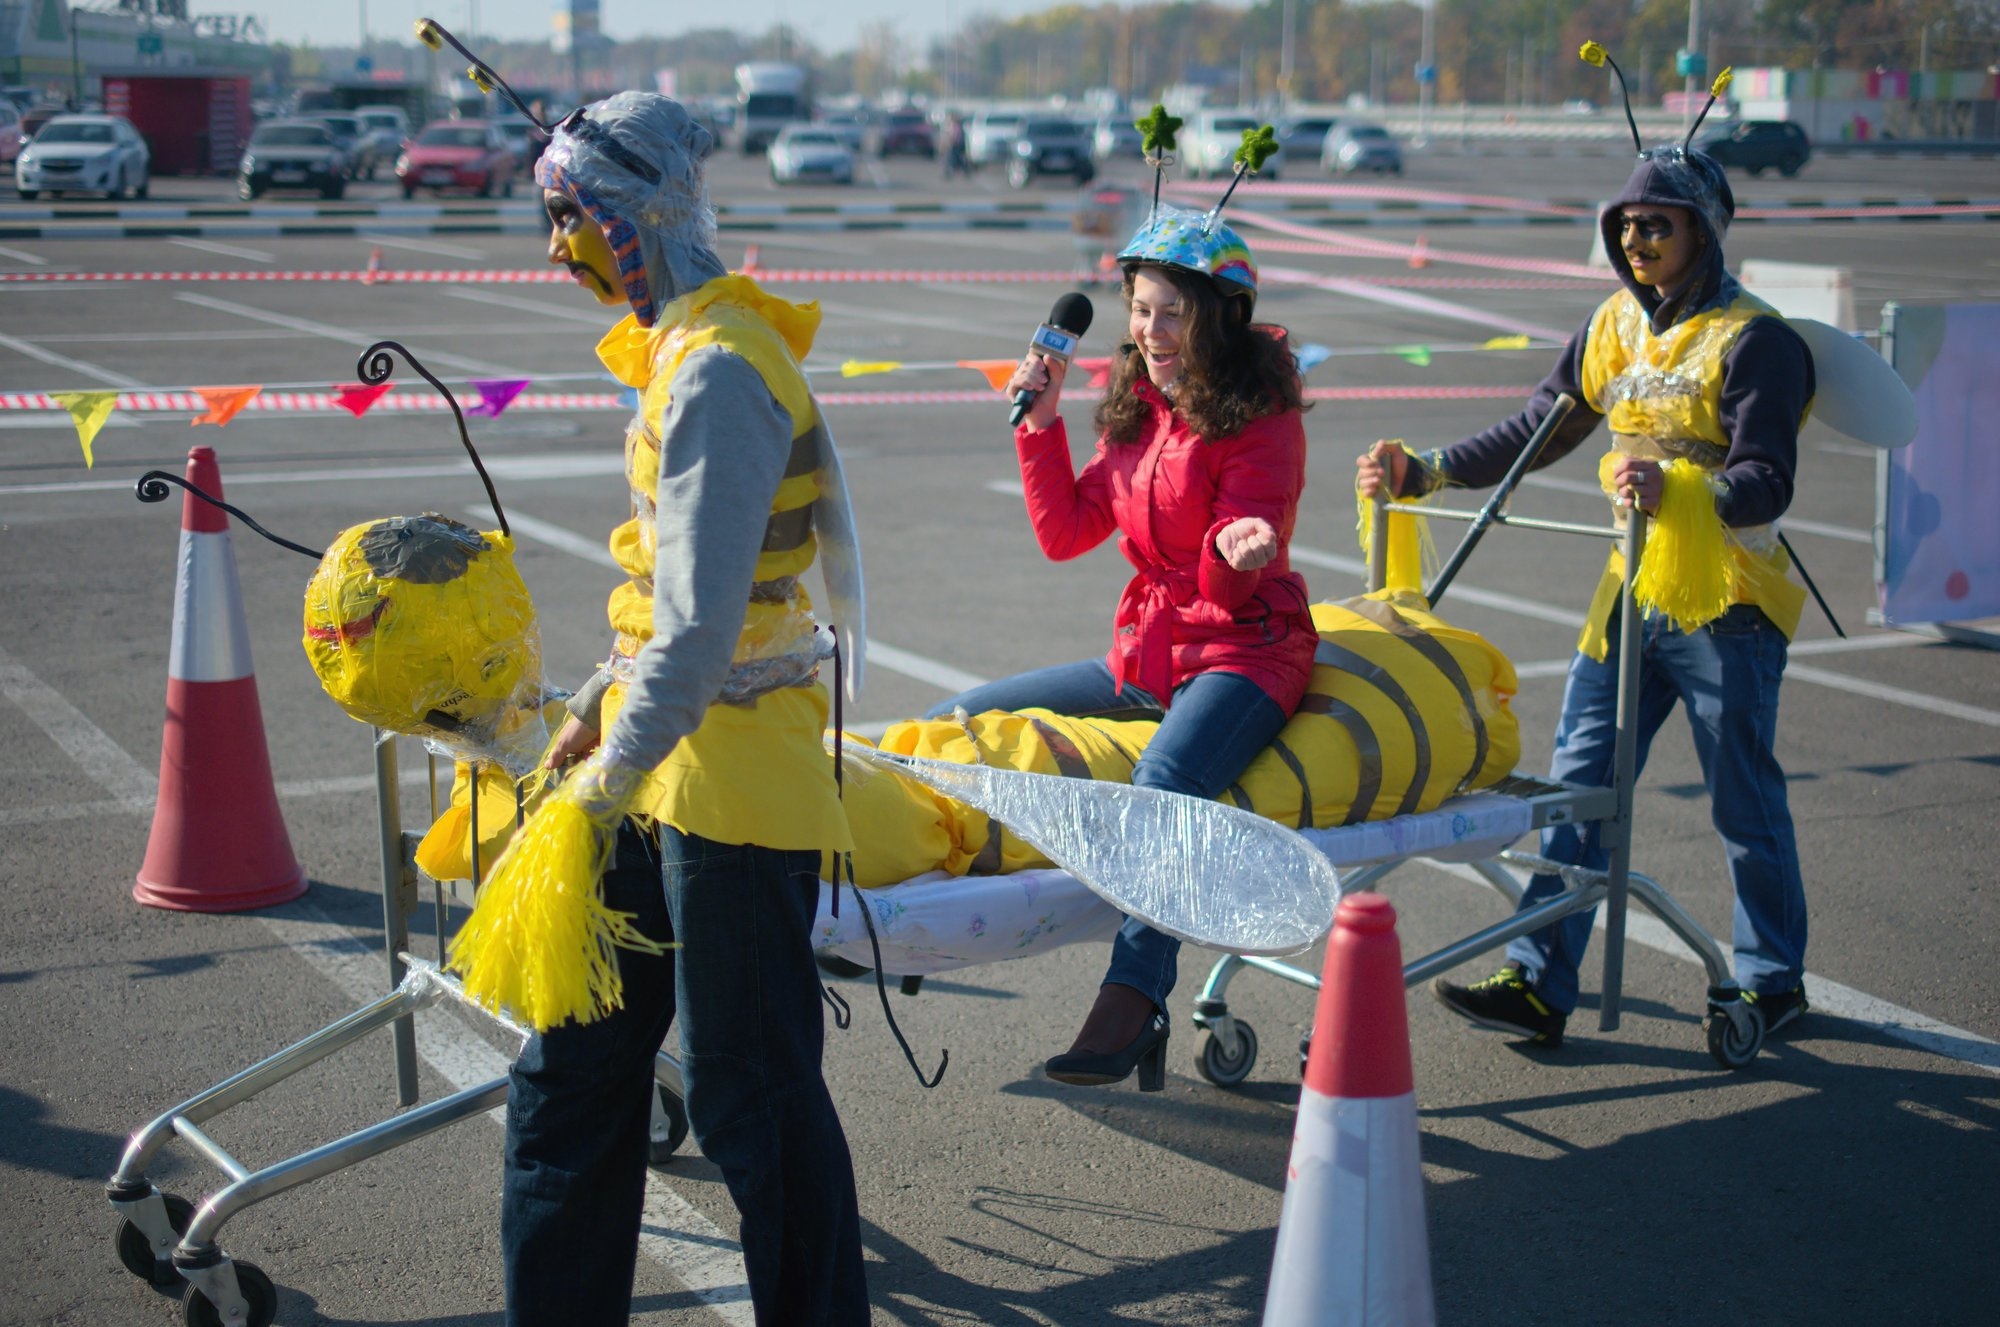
{"x":1779,"y":1008}
{"x":1504,"y":1003}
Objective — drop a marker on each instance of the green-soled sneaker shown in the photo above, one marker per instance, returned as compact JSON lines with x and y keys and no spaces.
{"x":1779,"y":1008}
{"x":1504,"y":1002}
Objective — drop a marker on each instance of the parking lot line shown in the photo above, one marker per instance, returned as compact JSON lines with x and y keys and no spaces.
{"x":419,"y":246}
{"x":226,"y":250}
{"x":23,"y":256}
{"x":110,"y":377}
{"x":343,"y":335}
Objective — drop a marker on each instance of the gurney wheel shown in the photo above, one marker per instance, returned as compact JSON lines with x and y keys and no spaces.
{"x":135,"y":1251}
{"x":258,"y":1293}
{"x":670,"y":1128}
{"x":1217,"y":1065}
{"x":1734,"y":1047}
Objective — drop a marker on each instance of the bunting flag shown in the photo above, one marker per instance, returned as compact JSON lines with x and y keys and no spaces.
{"x":1518,"y":342}
{"x":858,"y":368}
{"x":223,"y":403}
{"x":1417,"y":355}
{"x":495,"y":395}
{"x":1310,"y":355}
{"x":356,"y":398}
{"x":89,"y":410}
{"x":997,"y":371}
{"x":1098,"y":369}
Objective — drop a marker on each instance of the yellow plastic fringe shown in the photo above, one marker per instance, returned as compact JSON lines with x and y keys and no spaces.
{"x":1410,"y":547}
{"x":1684,"y":570}
{"x":540,"y":942}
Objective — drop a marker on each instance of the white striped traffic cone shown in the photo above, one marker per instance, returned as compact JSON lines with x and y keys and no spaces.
{"x":218,"y":843}
{"x":1351,"y":1243}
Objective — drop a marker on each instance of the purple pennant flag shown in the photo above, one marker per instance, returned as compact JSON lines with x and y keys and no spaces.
{"x":495,"y":395}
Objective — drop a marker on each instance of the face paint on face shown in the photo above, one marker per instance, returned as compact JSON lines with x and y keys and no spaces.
{"x":575,"y":242}
{"x":1660,"y":243}
{"x":1158,"y":323}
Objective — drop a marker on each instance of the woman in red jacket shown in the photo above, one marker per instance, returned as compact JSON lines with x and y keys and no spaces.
{"x":1200,"y":460}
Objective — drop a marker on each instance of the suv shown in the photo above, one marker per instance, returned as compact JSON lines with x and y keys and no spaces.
{"x":292,"y":154}
{"x":1756,"y":144}
{"x":905,"y":131}
{"x":989,"y":136}
{"x":1048,"y":146}
{"x":356,"y":140}
{"x":1210,"y":149}
{"x":388,"y":126}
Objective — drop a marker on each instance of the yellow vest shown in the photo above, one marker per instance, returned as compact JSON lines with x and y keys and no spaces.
{"x":1661,"y":396}
{"x":756,"y":770}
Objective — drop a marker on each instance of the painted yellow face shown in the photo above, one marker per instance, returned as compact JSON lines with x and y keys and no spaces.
{"x":575,"y":242}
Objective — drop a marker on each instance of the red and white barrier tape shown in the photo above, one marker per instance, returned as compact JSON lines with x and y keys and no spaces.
{"x":299,"y":403}
{"x":550,"y":276}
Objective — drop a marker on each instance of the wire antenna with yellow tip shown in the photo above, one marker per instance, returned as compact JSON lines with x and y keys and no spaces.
{"x":434,"y":35}
{"x":1593,"y":54}
{"x":375,"y":366}
{"x":1720,"y":86}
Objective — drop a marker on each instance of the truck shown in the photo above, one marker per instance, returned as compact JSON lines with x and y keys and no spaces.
{"x":413,"y":98}
{"x":769,"y":96}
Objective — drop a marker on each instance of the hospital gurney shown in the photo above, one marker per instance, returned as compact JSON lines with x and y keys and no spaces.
{"x":164,"y":1238}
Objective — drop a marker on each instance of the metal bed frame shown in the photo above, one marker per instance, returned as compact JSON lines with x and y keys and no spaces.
{"x":164,"y":1239}
{"x":1226,"y":1046}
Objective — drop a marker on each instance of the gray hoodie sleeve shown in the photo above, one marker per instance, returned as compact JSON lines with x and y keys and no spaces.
{"x":724,"y":445}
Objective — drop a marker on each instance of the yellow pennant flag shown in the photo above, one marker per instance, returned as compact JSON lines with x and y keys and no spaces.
{"x":856,"y":368}
{"x":1505,"y":343}
{"x":89,"y":410}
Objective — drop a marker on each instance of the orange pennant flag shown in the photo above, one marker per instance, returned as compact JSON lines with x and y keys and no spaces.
{"x":1098,"y":369}
{"x":223,"y":403}
{"x":997,"y":371}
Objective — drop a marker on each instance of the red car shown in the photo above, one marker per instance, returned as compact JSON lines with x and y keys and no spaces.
{"x":459,"y":154}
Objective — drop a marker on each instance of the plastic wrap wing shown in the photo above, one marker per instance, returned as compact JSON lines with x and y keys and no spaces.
{"x":1205,"y":872}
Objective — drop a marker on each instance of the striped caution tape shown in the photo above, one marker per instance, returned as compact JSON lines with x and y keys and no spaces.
{"x":553,"y":276}
{"x":303,"y":403}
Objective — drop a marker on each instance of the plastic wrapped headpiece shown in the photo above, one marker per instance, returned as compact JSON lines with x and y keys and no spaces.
{"x":1194,"y":242}
{"x":1693,"y":179}
{"x":634,"y":164}
{"x":421,"y":625}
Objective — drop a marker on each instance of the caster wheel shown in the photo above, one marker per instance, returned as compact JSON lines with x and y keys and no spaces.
{"x":1215,"y":1062}
{"x":258,"y":1293}
{"x":1733,"y":1047}
{"x":670,"y":1128}
{"x":136,"y":1252}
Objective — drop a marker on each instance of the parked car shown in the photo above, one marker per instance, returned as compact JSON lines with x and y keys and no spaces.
{"x":1210,"y":147}
{"x":522,"y":135}
{"x":11,"y":141}
{"x":849,"y":126}
{"x":988,"y":137}
{"x":292,"y":154}
{"x":1048,"y":146}
{"x":98,"y":154}
{"x":905,"y":131}
{"x":459,"y":154}
{"x":1755,"y":145}
{"x":805,"y":152}
{"x":1304,"y":137}
{"x":1353,"y":145}
{"x":387,"y":127}
{"x":1116,"y":138}
{"x":356,"y":140}
{"x":34,"y":118}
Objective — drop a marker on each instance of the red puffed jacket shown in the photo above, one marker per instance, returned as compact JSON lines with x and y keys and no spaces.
{"x":1169,"y":493}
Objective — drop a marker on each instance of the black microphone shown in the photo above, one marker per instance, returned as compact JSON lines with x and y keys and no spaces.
{"x":1055,"y":339}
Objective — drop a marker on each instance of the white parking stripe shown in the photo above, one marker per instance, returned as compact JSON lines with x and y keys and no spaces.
{"x":109,"y":377}
{"x":135,"y":787}
{"x":419,"y":246}
{"x":23,"y":256}
{"x":226,"y":250}
{"x":343,"y":335}
{"x":540,"y":308}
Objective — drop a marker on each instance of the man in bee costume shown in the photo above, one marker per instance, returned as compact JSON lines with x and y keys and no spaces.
{"x":710,"y":775}
{"x":1705,"y":389}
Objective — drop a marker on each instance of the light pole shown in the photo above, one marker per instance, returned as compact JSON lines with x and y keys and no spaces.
{"x":1285,"y":58}
{"x":1691,"y":55}
{"x":1427,"y":73}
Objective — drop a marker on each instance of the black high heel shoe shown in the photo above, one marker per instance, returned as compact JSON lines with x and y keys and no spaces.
{"x":1146,"y":1052}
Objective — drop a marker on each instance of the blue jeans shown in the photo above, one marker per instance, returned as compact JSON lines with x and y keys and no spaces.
{"x":748,"y":1000}
{"x":1216,"y":727}
{"x":1726,"y":675}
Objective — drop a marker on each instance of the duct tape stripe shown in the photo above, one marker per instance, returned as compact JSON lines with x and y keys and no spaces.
{"x":324,"y":403}
{"x":211,"y":640}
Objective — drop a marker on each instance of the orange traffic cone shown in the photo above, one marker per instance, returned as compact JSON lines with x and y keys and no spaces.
{"x":1420,"y":256}
{"x":751,"y":253}
{"x":218,"y":843}
{"x":374,"y":266}
{"x":1351,"y":1241}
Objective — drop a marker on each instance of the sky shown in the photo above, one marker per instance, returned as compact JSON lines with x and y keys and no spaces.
{"x":832,"y":25}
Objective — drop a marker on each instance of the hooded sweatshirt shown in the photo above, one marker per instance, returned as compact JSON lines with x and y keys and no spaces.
{"x":1767,"y":376}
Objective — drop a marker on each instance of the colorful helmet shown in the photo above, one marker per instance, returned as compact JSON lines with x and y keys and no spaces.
{"x":1194,"y":242}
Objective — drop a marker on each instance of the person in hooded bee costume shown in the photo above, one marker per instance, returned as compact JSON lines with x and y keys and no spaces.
{"x":1705,"y":389}
{"x":697,"y":796}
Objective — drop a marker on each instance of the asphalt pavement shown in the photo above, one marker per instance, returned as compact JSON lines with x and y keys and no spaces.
{"x":1847,"y":1176}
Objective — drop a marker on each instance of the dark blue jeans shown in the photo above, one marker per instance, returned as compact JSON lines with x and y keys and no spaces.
{"x":747,"y":995}
{"x":1726,"y":675}
{"x":1216,"y":726}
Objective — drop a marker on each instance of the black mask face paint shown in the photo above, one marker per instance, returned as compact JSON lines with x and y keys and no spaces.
{"x":1653,"y":228}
